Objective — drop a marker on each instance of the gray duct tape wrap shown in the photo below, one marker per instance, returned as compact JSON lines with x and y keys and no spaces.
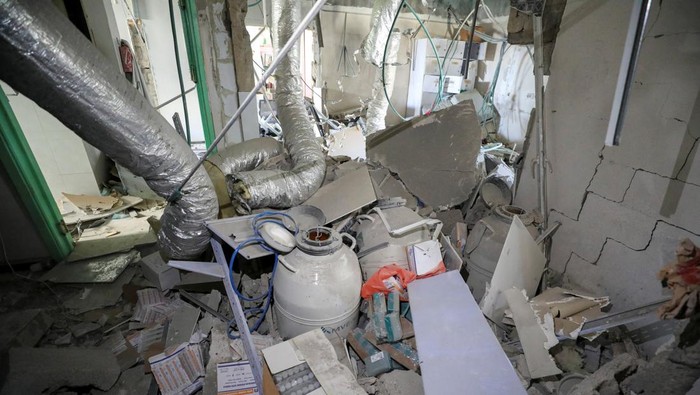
{"x":383,"y":13}
{"x":47,"y":59}
{"x":275,"y":188}
{"x":377,"y":107}
{"x":246,"y":155}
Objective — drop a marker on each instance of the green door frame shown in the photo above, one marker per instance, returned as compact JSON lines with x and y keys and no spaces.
{"x":19,"y":161}
{"x":197,"y":69}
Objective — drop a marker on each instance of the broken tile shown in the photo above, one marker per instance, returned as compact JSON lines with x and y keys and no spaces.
{"x":104,"y":269}
{"x":99,"y":295}
{"x":182,"y":325}
{"x":23,"y":328}
{"x":445,"y":144}
{"x":34,"y":370}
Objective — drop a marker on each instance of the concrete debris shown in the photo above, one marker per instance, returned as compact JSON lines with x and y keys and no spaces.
{"x":84,"y":328}
{"x":159,"y":273}
{"x":607,"y":379}
{"x":591,"y":358}
{"x":104,"y":269}
{"x":133,"y":381}
{"x":41,"y":370}
{"x":674,"y":371}
{"x":23,"y":328}
{"x":568,"y":357}
{"x":404,"y":382}
{"x":99,"y":295}
{"x":64,"y":340}
{"x":445,"y":143}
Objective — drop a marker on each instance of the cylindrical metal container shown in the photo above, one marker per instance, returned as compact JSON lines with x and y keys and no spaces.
{"x":485,"y":242}
{"x":317,"y":285}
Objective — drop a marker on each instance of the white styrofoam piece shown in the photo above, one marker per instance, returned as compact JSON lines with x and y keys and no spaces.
{"x":458,"y":351}
{"x":348,"y":142}
{"x":520,"y":265}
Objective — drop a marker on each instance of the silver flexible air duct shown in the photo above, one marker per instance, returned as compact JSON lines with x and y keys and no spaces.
{"x":276,"y":188}
{"x":47,"y":59}
{"x":383,"y":13}
{"x":377,"y":107}
{"x":246,"y":155}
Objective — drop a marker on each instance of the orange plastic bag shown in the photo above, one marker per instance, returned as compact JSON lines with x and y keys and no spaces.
{"x":387,"y":279}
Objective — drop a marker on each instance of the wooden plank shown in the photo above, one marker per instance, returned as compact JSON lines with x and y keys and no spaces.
{"x":395,"y":353}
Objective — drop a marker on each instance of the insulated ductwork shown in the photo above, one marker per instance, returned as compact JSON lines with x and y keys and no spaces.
{"x":377,"y":107}
{"x":47,"y":59}
{"x":276,"y":188}
{"x":383,"y":13}
{"x":247,"y":155}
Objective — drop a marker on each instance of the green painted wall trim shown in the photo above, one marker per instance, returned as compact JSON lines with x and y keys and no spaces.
{"x":18,"y":160}
{"x":196,"y":60}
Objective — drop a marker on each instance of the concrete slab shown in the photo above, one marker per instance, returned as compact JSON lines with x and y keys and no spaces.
{"x":434,"y":155}
{"x":100,"y":295}
{"x":23,"y":328}
{"x":34,"y":370}
{"x":404,"y":382}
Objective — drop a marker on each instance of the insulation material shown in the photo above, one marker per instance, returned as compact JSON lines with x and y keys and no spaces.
{"x":47,"y":59}
{"x":383,"y":13}
{"x":377,"y":107}
{"x":277,"y":188}
{"x":247,"y":155}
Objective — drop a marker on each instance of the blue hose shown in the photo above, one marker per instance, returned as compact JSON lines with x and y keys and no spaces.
{"x":257,"y":239}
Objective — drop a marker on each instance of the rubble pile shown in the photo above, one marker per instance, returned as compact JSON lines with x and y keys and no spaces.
{"x":390,"y":279}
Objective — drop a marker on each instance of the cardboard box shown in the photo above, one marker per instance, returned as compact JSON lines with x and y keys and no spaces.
{"x":235,"y":378}
{"x":425,"y":258}
{"x":159,"y":273}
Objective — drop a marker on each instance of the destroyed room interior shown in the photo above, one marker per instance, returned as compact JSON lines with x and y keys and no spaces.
{"x":345,"y":197}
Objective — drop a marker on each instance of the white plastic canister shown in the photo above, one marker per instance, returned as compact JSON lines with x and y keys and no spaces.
{"x":317,"y":285}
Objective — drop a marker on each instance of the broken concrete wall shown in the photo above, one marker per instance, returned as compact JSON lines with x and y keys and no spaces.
{"x":624,"y":208}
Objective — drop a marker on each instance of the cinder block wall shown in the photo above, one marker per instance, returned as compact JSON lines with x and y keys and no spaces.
{"x":623,"y":209}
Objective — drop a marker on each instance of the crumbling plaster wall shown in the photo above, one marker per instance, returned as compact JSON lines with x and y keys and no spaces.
{"x":623,"y":209}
